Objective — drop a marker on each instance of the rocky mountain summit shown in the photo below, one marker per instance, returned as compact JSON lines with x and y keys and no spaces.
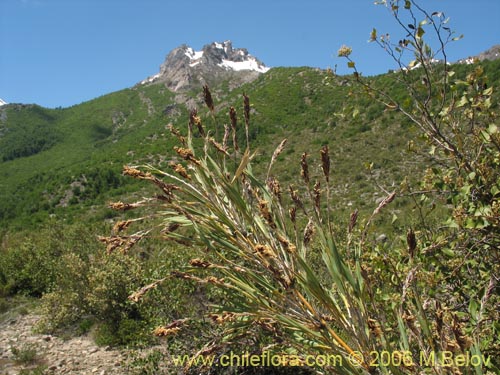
{"x":186,"y":68}
{"x":491,"y":54}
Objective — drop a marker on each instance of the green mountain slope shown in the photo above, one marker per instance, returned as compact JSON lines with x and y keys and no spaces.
{"x":64,"y":162}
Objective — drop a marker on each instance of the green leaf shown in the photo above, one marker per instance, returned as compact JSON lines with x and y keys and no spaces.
{"x":407,"y":4}
{"x":420,"y":32}
{"x":495,"y":190}
{"x":351,"y":64}
{"x":473,"y":308}
{"x":448,"y":252}
{"x":488,"y":91}
{"x":485,"y":135}
{"x":463,"y":101}
{"x":373,"y":35}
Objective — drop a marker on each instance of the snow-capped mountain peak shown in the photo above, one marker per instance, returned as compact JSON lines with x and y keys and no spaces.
{"x":2,"y":102}
{"x":184,"y":66}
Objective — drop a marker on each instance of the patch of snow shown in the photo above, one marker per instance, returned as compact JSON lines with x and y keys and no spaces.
{"x":469,"y":60}
{"x":218,"y":45}
{"x":193,"y":55}
{"x":250,"y":64}
{"x":2,"y":102}
{"x":150,"y":79}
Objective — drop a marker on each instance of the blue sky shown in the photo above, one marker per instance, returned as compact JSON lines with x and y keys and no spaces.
{"x":63,"y":52}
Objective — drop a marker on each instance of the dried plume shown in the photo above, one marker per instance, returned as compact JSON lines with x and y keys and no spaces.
{"x":385,"y":202}
{"x":179,"y":168}
{"x":317,"y":195}
{"x":274,"y":186}
{"x":195,"y":120}
{"x":136,"y":296}
{"x":325,"y":162}
{"x":120,"y":206}
{"x":186,"y":154}
{"x":218,"y":146}
{"x":176,"y":133}
{"x":304,"y":168}
{"x":308,"y":232}
{"x":412,"y":242}
{"x":276,"y":153}
{"x":353,"y":220}
{"x":207,"y":96}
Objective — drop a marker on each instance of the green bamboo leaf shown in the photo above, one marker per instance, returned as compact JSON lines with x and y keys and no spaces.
{"x":402,"y":332}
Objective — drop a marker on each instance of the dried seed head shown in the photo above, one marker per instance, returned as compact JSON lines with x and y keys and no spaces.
{"x":207,"y":96}
{"x":278,"y":150}
{"x":136,"y":296}
{"x":121,"y":226}
{"x":179,"y":168}
{"x":374,"y":327}
{"x":112,"y":242}
{"x":385,"y":202}
{"x":325,"y":162}
{"x":353,"y":220}
{"x":176,"y":133}
{"x":168,"y":189}
{"x":222,"y":318}
{"x":274,"y":186}
{"x":266,"y":214}
{"x":287,"y":245}
{"x":186,"y":154}
{"x":195,"y":120}
{"x":233,"y":117}
{"x":193,"y":117}
{"x":227,"y":131}
{"x":200,"y":263}
{"x":264,"y":250}
{"x":120,"y":206}
{"x":246,"y":107}
{"x":317,"y":195}
{"x":292,"y":211}
{"x":133,"y":172}
{"x":171,"y":227}
{"x":308,"y":232}
{"x":163,"y":331}
{"x":412,"y":242}
{"x":218,"y":146}
{"x":123,"y":243}
{"x":304,"y":168}
{"x":295,"y":197}
{"x":183,"y":275}
{"x":214,"y":280}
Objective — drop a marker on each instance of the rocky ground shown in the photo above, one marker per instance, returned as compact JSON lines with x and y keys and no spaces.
{"x":78,"y":355}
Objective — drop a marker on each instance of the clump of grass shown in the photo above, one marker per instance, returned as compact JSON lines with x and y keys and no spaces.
{"x":26,"y":354}
{"x":257,"y":246}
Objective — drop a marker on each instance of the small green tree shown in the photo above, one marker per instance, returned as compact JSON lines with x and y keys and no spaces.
{"x":457,"y":118}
